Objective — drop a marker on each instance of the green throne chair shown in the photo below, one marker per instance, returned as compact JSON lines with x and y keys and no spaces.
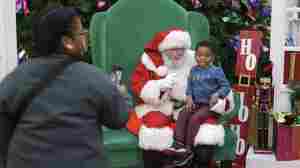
{"x":118,"y":37}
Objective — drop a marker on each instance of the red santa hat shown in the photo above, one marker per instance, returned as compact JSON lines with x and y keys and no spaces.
{"x":170,"y":39}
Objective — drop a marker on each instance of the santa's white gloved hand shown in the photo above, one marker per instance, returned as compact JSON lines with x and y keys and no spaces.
{"x":168,"y":82}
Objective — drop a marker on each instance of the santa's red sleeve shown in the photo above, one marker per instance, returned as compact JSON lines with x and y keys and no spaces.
{"x":145,"y":85}
{"x":142,"y":81}
{"x":139,"y":78}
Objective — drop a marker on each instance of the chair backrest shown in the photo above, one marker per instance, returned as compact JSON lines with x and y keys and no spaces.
{"x":118,"y":36}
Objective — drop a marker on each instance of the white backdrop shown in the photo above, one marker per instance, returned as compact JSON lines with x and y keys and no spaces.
{"x":8,"y":40}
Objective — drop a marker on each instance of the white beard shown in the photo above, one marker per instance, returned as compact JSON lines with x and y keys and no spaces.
{"x":182,"y":68}
{"x":169,"y":63}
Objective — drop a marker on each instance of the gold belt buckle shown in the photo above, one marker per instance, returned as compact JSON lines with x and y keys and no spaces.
{"x":245,"y":80}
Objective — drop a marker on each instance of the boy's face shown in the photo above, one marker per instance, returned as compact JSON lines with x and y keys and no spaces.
{"x":204,"y":57}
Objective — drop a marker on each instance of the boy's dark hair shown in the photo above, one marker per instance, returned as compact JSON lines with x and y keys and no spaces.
{"x":204,"y":43}
{"x":208,"y":44}
{"x":50,"y":28}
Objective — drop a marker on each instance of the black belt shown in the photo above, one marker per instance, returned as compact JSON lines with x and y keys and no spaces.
{"x":244,"y":80}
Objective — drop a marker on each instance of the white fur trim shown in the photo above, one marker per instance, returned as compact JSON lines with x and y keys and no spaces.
{"x":219,"y":107}
{"x":148,"y":63}
{"x":179,"y":89}
{"x":176,"y":39}
{"x":230,"y":98}
{"x":155,"y":138}
{"x":221,"y":104}
{"x":210,"y":134}
{"x":151,"y":92}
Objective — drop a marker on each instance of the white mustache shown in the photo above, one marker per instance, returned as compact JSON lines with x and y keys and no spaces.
{"x":173,"y":63}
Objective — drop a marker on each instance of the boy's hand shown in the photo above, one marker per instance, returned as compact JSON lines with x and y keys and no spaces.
{"x":189,"y":104}
{"x":213,"y":99}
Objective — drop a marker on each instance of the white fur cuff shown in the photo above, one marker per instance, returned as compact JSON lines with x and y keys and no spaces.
{"x":230,"y":97}
{"x":219,"y":107}
{"x":221,"y":104}
{"x":151,"y":92}
{"x":157,"y":139}
{"x":210,"y":134}
{"x":148,"y":63}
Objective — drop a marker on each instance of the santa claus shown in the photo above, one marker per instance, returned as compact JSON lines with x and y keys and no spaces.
{"x":159,"y":82}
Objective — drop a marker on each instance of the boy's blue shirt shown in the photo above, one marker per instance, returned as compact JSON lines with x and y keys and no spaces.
{"x":203,"y":82}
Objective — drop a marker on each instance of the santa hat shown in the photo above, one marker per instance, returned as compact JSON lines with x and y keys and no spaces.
{"x":170,"y":39}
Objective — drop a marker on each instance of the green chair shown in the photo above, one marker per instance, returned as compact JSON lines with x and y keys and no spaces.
{"x":118,"y":36}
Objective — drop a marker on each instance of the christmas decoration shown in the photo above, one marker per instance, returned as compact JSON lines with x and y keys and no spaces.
{"x":254,"y":3}
{"x":248,"y":54}
{"x":266,"y":11}
{"x":22,"y":6}
{"x":287,"y":142}
{"x":264,"y":94}
{"x":19,"y":6}
{"x":196,"y":3}
{"x":102,"y":5}
{"x":291,"y":67}
{"x":26,"y":7}
{"x":235,"y":42}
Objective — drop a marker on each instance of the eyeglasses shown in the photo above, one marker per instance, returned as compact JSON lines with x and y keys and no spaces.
{"x":83,"y":32}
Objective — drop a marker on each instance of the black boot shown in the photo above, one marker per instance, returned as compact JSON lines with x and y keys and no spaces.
{"x":182,"y":156}
{"x":202,"y":165}
{"x":184,"y":160}
{"x":203,"y":155}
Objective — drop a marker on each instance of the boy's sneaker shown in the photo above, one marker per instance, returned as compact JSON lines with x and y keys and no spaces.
{"x":176,"y":149}
{"x":174,"y":152}
{"x":184,"y":159}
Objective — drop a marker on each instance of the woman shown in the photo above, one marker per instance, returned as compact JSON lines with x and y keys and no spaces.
{"x":52,"y":107}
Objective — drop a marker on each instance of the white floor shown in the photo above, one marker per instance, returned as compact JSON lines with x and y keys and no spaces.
{"x":268,"y":161}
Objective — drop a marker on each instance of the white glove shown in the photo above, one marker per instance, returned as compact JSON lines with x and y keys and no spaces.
{"x":168,"y":82}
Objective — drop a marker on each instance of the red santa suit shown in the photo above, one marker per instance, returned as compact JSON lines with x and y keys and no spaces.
{"x":153,"y":117}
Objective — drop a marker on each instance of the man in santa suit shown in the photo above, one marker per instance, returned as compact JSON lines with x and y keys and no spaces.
{"x":159,"y":82}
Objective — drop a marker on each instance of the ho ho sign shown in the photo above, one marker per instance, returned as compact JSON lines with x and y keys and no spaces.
{"x":248,"y":53}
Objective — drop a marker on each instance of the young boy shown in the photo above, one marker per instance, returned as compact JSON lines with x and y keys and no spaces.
{"x":206,"y":84}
